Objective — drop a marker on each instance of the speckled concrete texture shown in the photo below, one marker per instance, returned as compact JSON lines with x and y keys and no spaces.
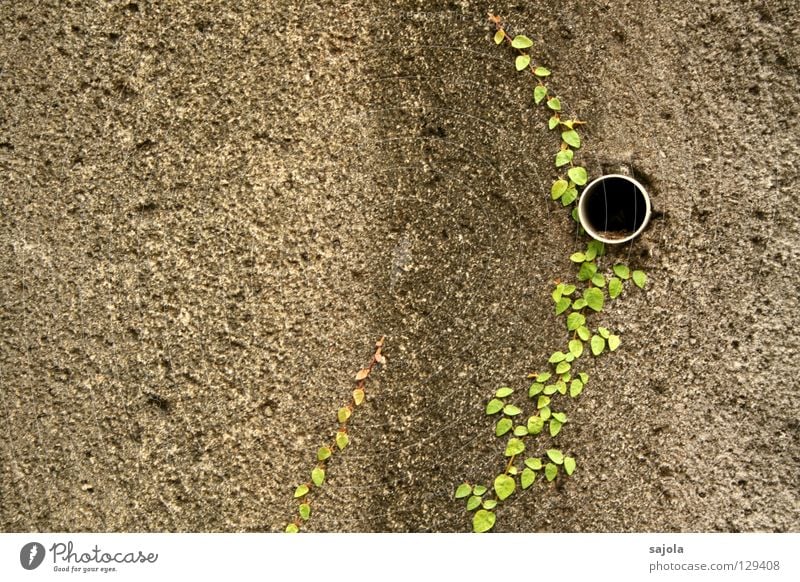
{"x":211,"y":210}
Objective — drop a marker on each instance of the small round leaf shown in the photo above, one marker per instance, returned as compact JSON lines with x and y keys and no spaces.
{"x":514,"y":447}
{"x":504,"y":486}
{"x":503,"y":426}
{"x":305,"y":510}
{"x":578,"y":175}
{"x":572,"y":138}
{"x":494,"y":406}
{"x":463,"y":490}
{"x":527,"y":478}
{"x":521,"y":42}
{"x":483,"y":521}
{"x":598,"y":345}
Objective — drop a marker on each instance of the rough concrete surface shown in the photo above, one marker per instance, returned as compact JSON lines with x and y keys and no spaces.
{"x":211,"y":210}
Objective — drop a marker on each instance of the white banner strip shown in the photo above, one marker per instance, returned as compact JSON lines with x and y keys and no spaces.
{"x":367,"y":557}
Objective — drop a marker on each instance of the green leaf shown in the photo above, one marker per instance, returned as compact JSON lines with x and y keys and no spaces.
{"x":514,"y":447}
{"x":575,"y":320}
{"x":494,"y":406}
{"x":511,"y":410}
{"x":577,"y":257}
{"x":562,"y":384}
{"x":554,"y":103}
{"x":562,"y":305}
{"x":479,"y":490}
{"x":576,"y":347}
{"x":503,"y":426}
{"x":535,"y":424}
{"x":305,"y":510}
{"x":463,"y":490}
{"x":587,"y":271}
{"x":559,"y":187}
{"x":543,"y":377}
{"x":535,"y":389}
{"x":622,"y":271}
{"x":522,"y":61}
{"x":584,"y":333}
{"x":598,"y":345}
{"x":555,"y":455}
{"x":578,"y":175}
{"x":584,"y":377}
{"x":323,"y":453}
{"x":564,"y":157}
{"x":520,"y":431}
{"x":613,"y":342}
{"x":569,"y":465}
{"x":483,"y":521}
{"x":575,"y":388}
{"x":358,"y":396}
{"x":499,"y":36}
{"x":572,"y":138}
{"x":300,"y":491}
{"x":503,"y":392}
{"x":504,"y":486}
{"x":473,"y":502}
{"x":640,"y":279}
{"x":318,"y":476}
{"x":545,"y":413}
{"x":343,"y":414}
{"x":541,"y":72}
{"x":569,"y":197}
{"x":542,"y":401}
{"x":557,"y":357}
{"x":490,"y":504}
{"x":599,"y":247}
{"x":342,"y":440}
{"x":591,"y":253}
{"x":527,"y":478}
{"x":534,"y":463}
{"x":603,"y":331}
{"x":555,"y":426}
{"x":550,"y":389}
{"x":568,"y":290}
{"x":594,"y":298}
{"x":550,"y":471}
{"x":292,"y":528}
{"x":598,"y":280}
{"x":560,"y":417}
{"x":539,"y":93}
{"x":562,"y":367}
{"x":614,"y":288}
{"x":521,"y":42}
{"x":579,"y":304}
{"x":552,"y":123}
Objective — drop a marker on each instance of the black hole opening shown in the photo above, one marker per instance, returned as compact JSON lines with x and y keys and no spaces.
{"x":615,"y":208}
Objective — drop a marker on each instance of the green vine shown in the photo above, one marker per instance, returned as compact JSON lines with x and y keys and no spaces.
{"x":575,"y":305}
{"x":304,"y":492}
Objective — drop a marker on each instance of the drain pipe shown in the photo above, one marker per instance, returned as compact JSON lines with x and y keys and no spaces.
{"x":614,"y":209}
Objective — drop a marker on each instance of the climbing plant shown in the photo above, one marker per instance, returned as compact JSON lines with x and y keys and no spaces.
{"x":529,"y":454}
{"x":304,"y":492}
